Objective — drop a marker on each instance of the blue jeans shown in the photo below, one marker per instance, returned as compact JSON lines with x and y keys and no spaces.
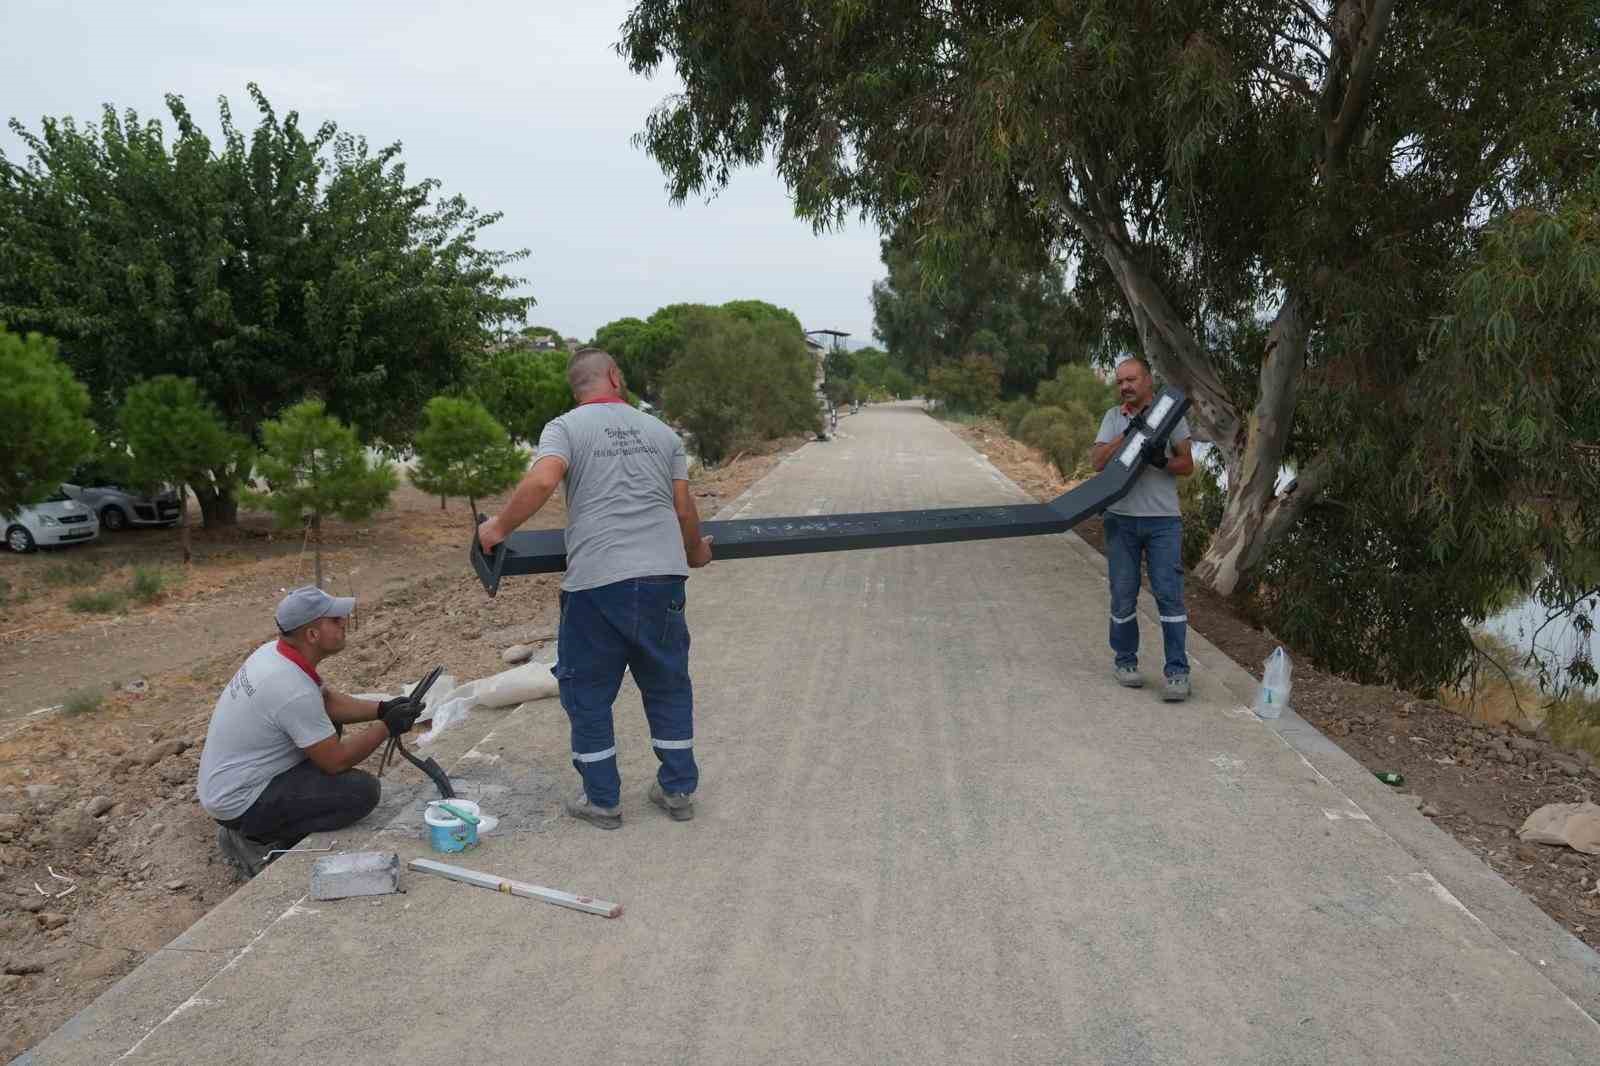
{"x":637,"y":625}
{"x":1160,"y":542}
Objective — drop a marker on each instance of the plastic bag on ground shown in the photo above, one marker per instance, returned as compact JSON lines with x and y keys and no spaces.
{"x":451,"y":712}
{"x":1273,"y":694}
{"x":530,"y":681}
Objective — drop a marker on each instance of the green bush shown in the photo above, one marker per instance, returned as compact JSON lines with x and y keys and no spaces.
{"x":1076,"y":384}
{"x":105,"y":601}
{"x":1200,"y":499}
{"x":738,"y":377}
{"x":75,"y":572}
{"x":147,"y":584}
{"x":83,"y":701}
{"x":1064,"y":435}
{"x":970,"y":386}
{"x":1012,"y":412}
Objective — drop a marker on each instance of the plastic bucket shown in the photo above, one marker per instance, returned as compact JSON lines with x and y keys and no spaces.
{"x":448,"y":833}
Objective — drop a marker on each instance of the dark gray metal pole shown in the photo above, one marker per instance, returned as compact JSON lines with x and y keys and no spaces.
{"x":544,"y":551}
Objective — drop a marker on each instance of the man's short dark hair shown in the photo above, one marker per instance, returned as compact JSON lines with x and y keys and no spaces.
{"x":587,"y":368}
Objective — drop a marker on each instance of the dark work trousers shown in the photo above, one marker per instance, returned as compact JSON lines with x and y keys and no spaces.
{"x":304,"y":800}
{"x":635,"y":625}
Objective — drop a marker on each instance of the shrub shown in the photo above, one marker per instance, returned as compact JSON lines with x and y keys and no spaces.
{"x":971,"y":385}
{"x":75,"y":572}
{"x":105,"y":601}
{"x":1064,"y":435}
{"x":1075,"y":384}
{"x":1012,"y":412}
{"x":1200,"y":499}
{"x":147,"y":584}
{"x":738,"y":377}
{"x":83,"y":701}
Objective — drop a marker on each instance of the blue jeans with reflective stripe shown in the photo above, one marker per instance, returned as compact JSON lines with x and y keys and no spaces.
{"x":638,"y":625}
{"x":1159,"y":542}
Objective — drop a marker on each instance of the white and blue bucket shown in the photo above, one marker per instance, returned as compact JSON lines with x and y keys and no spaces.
{"x":446,"y":832}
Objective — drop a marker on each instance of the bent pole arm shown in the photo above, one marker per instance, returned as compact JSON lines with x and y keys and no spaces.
{"x":544,"y":551}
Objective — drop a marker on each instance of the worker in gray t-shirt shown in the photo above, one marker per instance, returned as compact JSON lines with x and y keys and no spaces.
{"x":632,"y":536}
{"x":276,"y":766}
{"x":1145,"y":524}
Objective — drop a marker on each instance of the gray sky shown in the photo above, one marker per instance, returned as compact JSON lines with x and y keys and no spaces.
{"x":521,"y":107}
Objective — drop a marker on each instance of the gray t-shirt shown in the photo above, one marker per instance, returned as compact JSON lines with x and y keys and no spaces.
{"x":621,"y":522}
{"x":1155,"y":492}
{"x":267,"y":714}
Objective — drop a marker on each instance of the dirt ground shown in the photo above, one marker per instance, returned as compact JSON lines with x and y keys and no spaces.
{"x":104,"y":854}
{"x":1479,"y":780}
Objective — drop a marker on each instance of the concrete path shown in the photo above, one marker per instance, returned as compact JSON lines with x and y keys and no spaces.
{"x":932,"y":830}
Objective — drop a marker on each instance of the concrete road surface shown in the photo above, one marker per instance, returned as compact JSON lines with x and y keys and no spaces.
{"x":931,"y":830}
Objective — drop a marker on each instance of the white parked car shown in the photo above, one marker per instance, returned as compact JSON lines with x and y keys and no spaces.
{"x":57,"y":520}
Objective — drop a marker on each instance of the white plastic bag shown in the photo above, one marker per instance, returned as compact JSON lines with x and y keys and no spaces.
{"x":451,"y":712}
{"x":1273,"y":695}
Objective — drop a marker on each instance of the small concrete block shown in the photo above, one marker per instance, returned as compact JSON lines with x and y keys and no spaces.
{"x":359,"y":873}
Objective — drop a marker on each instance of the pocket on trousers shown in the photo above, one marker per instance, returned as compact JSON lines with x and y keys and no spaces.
{"x":676,"y":631}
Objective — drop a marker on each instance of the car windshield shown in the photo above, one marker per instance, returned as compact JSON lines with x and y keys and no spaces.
{"x":57,"y":497}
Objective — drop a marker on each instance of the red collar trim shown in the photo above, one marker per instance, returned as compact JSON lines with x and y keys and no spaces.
{"x":604,"y":399}
{"x":287,"y":651}
{"x":1128,"y":410}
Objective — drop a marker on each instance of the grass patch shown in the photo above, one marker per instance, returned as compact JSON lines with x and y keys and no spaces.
{"x":84,"y":701}
{"x":104,"y":601}
{"x":76,"y":572}
{"x":147,"y":584}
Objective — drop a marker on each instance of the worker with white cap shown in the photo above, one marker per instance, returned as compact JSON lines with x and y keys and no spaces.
{"x":276,"y":764}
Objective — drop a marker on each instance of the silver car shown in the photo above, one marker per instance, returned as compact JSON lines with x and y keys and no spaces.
{"x":49,"y":523}
{"x":119,"y":507}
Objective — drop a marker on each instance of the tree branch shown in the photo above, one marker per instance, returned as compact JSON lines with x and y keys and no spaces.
{"x":1358,"y":88}
{"x":1320,"y":21}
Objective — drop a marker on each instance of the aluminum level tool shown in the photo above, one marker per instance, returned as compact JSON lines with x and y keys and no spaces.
{"x":543,"y":551}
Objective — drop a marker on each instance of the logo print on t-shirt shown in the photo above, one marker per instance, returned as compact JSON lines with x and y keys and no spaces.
{"x":625,"y":442}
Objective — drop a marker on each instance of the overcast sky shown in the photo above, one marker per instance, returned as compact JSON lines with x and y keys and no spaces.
{"x":523,"y":107}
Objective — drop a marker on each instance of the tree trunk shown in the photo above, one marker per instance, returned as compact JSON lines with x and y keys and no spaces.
{"x":472,"y":510}
{"x":183,"y":522}
{"x":1254,"y":517}
{"x":1253,"y":450}
{"x":218,"y":507}
{"x":316,"y":548}
{"x":441,"y":502}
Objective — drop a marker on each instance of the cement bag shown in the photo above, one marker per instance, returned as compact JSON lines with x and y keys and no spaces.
{"x":1577,"y":825}
{"x":530,"y":681}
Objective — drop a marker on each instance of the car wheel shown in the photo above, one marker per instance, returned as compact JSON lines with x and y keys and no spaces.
{"x":113,"y":518}
{"x":19,"y":539}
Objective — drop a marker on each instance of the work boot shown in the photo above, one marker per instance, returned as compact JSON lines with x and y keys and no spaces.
{"x":678,"y":804}
{"x":246,"y":856}
{"x":604,"y":817}
{"x":1177,"y":689}
{"x":1129,"y":676}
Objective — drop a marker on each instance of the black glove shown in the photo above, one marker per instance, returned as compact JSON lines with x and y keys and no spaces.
{"x":399,"y":714}
{"x":1155,"y":453}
